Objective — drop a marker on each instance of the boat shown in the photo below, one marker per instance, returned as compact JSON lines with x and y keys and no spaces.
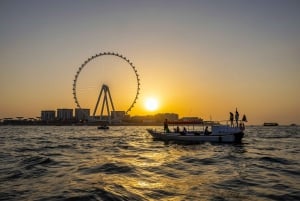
{"x":103,"y":127}
{"x":219,"y":133}
{"x":271,"y":124}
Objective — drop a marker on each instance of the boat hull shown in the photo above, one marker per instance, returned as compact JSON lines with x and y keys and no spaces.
{"x":196,"y":137}
{"x":103,"y":127}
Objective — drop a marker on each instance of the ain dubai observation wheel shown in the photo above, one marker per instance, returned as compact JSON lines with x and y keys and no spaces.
{"x":107,"y":70}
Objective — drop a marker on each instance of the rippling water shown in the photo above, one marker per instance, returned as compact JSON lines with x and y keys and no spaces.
{"x":124,"y":163}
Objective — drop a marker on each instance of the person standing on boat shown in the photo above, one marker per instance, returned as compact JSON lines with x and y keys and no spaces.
{"x":231,"y":119}
{"x":237,"y":117}
{"x":244,"y":119}
{"x":166,"y":127}
{"x":206,"y":132}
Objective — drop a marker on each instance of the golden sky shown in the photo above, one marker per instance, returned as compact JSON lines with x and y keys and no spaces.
{"x":197,"y":58}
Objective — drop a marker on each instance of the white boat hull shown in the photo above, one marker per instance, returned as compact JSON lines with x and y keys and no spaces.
{"x":227,"y":136}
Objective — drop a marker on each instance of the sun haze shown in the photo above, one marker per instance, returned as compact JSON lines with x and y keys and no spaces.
{"x":151,"y":104}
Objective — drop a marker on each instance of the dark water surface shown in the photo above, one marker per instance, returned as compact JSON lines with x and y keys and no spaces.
{"x":124,"y":163}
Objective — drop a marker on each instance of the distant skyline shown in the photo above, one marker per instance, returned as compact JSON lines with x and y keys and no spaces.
{"x":195,"y":58}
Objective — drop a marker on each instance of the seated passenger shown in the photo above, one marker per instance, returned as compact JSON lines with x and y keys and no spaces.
{"x":206,"y":132}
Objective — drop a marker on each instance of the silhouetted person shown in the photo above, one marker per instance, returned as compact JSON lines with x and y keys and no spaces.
{"x":237,"y":117}
{"x":244,"y":119}
{"x":166,"y":127}
{"x":206,"y":131}
{"x":231,"y":119}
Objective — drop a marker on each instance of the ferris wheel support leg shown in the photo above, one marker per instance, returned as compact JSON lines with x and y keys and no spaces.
{"x":108,"y":111}
{"x":96,"y":107}
{"x":111,"y":102}
{"x":104,"y":102}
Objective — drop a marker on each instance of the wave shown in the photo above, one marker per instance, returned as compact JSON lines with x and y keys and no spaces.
{"x":81,"y":163}
{"x":108,"y":168}
{"x":278,"y":160}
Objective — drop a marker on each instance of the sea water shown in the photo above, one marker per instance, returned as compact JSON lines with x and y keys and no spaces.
{"x":125,"y":163}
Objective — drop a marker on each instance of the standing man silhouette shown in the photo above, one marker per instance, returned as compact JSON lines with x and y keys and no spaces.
{"x":237,"y":117}
{"x":231,"y":119}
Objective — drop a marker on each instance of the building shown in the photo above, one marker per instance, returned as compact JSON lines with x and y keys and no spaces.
{"x":48,"y":115}
{"x":117,"y":116}
{"x":64,"y":114}
{"x":158,"y":118}
{"x":192,"y":120}
{"x":170,"y":116}
{"x":82,"y":114}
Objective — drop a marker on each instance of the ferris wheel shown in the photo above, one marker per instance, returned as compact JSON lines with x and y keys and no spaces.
{"x":86,"y":84}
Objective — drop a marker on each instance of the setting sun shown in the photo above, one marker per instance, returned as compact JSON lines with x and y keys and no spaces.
{"x":151,"y":104}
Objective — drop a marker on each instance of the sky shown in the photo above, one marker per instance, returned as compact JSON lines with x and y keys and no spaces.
{"x":196,"y":58}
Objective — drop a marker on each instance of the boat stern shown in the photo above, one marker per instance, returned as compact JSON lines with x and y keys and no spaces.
{"x":224,"y":129}
{"x":238,"y":137}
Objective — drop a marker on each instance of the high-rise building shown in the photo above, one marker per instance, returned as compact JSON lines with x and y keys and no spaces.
{"x":64,"y":114}
{"x":47,"y":115}
{"x":82,"y":114}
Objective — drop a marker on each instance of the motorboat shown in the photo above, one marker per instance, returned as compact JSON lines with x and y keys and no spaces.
{"x":217,"y":133}
{"x":271,"y":124}
{"x":103,"y":127}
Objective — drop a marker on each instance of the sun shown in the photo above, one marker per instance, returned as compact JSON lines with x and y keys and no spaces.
{"x":151,"y":104}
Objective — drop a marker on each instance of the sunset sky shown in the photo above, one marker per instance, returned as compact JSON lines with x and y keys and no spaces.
{"x":196,"y":58}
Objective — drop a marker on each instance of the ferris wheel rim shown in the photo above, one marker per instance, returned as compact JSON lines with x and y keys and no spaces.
{"x":105,"y":54}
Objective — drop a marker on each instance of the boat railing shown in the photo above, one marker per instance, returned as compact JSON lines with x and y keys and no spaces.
{"x":228,"y":122}
{"x":199,"y":126}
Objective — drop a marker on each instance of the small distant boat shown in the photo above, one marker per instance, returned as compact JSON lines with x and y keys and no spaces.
{"x":271,"y":124}
{"x":104,"y":127}
{"x":219,"y":133}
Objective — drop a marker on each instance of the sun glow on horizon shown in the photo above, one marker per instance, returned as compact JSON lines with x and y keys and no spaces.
{"x":151,"y":104}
